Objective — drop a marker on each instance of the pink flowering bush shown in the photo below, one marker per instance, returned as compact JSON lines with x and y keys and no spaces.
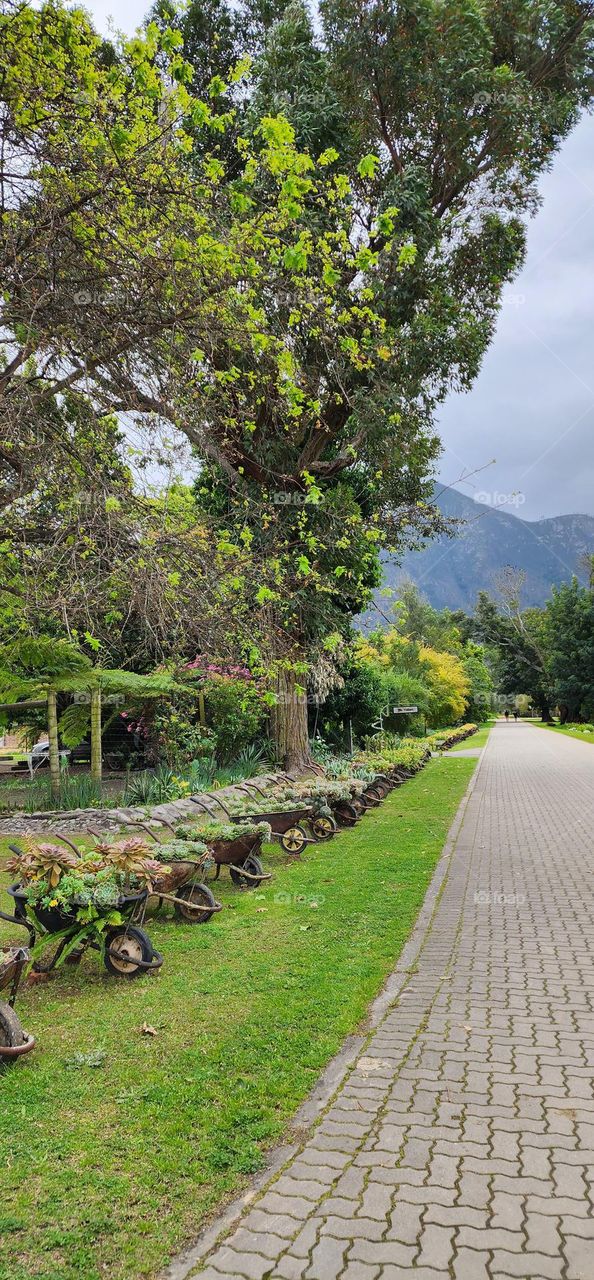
{"x":234,"y":709}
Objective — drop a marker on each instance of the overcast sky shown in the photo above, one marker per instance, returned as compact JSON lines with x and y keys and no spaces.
{"x":532,"y":407}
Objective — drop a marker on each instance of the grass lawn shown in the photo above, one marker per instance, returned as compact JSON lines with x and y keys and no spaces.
{"x":478,"y":739}
{"x":567,"y":733}
{"x":111,"y":1162}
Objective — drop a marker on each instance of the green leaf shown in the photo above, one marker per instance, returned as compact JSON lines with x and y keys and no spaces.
{"x":367,"y":166}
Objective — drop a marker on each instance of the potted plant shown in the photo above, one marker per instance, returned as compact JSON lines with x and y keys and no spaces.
{"x":233,"y":844}
{"x":87,"y":901}
{"x":61,"y":889}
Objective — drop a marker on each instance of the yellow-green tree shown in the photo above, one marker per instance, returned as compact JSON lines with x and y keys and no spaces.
{"x":448,"y":684}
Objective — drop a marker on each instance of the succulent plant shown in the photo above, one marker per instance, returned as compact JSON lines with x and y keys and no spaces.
{"x":43,"y":862}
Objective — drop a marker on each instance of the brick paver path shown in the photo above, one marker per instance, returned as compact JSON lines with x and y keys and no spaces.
{"x":462,"y":1142}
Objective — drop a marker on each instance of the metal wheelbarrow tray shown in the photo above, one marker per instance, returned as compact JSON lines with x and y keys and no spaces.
{"x":14,"y":1041}
{"x":286,"y":826}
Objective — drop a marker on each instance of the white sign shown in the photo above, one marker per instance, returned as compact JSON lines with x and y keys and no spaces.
{"x":396,"y":711}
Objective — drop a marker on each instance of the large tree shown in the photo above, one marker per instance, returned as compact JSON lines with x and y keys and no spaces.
{"x":298,"y":317}
{"x":569,"y":624}
{"x":443,"y":116}
{"x":111,"y":243}
{"x":517,"y":638}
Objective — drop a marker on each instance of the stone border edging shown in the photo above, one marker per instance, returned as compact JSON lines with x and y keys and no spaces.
{"x":106,"y":819}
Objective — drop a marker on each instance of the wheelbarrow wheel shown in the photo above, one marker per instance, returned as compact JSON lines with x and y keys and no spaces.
{"x":11,"y":1031}
{"x":294,"y":839}
{"x":254,"y":867}
{"x":346,"y":814}
{"x":127,"y":950}
{"x":202,"y":896}
{"x":371,"y":797}
{"x":323,"y":828}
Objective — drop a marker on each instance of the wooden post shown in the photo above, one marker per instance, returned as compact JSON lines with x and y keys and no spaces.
{"x":54,"y":748}
{"x":96,"y":735}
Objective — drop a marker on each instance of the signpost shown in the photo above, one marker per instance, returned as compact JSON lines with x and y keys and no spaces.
{"x":394,"y":711}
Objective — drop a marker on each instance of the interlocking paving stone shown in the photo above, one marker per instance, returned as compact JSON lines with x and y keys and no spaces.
{"x":461,"y":1144}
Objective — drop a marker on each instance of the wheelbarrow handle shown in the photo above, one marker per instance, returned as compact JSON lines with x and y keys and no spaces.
{"x":191,"y":906}
{"x":249,"y":875}
{"x":24,"y":924}
{"x":17,"y":1050}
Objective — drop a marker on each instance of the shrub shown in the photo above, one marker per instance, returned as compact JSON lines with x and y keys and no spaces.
{"x":441,"y":737}
{"x":179,"y":738}
{"x":235,"y":712}
{"x":152,"y":787}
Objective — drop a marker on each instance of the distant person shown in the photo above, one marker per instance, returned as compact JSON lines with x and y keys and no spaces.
{"x":507,"y":715}
{"x":516,"y":716}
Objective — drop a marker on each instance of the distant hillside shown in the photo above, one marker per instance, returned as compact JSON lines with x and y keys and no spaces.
{"x":451,"y":571}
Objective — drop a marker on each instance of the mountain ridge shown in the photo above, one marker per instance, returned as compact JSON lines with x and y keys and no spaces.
{"x":450,"y":572}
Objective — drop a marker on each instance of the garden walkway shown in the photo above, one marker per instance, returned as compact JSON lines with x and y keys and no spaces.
{"x":461,"y":1142}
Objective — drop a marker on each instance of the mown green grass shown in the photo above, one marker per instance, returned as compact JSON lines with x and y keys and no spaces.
{"x":108,"y":1170}
{"x":567,"y":733}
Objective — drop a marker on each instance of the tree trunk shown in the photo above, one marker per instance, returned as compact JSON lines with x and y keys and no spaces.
{"x":54,"y":748}
{"x":96,"y":735}
{"x":289,"y":723}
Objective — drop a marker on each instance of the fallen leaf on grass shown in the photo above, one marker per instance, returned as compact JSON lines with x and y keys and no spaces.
{"x":147,"y":1030}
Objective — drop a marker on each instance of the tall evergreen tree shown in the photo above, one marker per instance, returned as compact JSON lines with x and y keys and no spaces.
{"x":569,"y":624}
